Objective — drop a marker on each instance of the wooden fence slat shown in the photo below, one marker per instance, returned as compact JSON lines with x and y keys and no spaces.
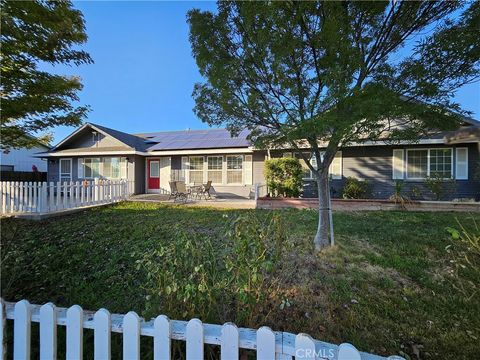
{"x":161,"y":339}
{"x":48,"y":332}
{"x":3,"y":330}
{"x":131,"y":336}
{"x":230,"y":342}
{"x":101,"y":336}
{"x":4,"y":198}
{"x":304,"y":347}
{"x":195,"y":339}
{"x":22,"y":330}
{"x":58,"y":193}
{"x":348,"y":352}
{"x":12,"y":196}
{"x":265,"y":343}
{"x":74,"y":333}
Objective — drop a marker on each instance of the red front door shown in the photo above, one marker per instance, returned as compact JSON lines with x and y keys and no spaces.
{"x":153,"y":174}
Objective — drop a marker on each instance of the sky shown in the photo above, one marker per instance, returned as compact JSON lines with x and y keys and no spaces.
{"x":144,"y":72}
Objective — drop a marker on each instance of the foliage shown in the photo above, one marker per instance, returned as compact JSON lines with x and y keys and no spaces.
{"x":398,"y":197}
{"x":284,"y":176}
{"x":438,"y":185}
{"x":390,"y":262}
{"x":465,"y":253}
{"x":33,"y":100}
{"x":190,"y":275}
{"x":301,"y":73}
{"x":355,"y":189}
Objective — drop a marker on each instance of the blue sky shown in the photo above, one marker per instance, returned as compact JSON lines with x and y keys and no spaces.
{"x":144,"y":73}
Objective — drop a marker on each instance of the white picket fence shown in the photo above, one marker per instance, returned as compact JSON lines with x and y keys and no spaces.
{"x":43,"y":197}
{"x":268,"y":344}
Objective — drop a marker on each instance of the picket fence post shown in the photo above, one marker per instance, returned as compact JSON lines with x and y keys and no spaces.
{"x":48,"y":332}
{"x":161,"y":339}
{"x":74,"y":332}
{"x":229,"y":342}
{"x":101,"y":336}
{"x":195,"y":339}
{"x":22,"y":330}
{"x":131,"y":336}
{"x":265,"y":343}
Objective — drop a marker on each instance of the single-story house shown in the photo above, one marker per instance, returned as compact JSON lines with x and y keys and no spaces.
{"x":150,"y":160}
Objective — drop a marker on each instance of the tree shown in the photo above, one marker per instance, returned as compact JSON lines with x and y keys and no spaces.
{"x":322,"y":75}
{"x":33,"y":100}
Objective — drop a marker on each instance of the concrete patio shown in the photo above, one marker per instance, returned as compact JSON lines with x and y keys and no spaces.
{"x":216,"y":202}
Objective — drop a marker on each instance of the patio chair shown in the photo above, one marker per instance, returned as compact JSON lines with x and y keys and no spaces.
{"x":182,"y":192}
{"x":206,"y":190}
{"x":173,"y":189}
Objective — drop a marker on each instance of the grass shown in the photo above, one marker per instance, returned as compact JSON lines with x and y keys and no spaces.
{"x":385,"y":287}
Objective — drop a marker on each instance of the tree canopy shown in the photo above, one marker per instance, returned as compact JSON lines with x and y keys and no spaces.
{"x":33,"y":100}
{"x":327,"y":74}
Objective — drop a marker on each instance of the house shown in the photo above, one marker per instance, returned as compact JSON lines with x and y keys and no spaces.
{"x":23,"y":159}
{"x":150,"y":160}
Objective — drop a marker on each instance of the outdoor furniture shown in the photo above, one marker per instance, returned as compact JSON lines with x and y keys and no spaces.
{"x":173,"y":189}
{"x":182,"y":192}
{"x":205,"y":190}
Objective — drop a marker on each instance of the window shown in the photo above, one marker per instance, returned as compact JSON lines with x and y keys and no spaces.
{"x":6,"y":167}
{"x":335,"y":169}
{"x":154,"y":169}
{"x":427,"y":162}
{"x":215,"y":165}
{"x":91,"y":168}
{"x":196,"y":169}
{"x":234,"y":169}
{"x":441,"y":162}
{"x":111,"y":168}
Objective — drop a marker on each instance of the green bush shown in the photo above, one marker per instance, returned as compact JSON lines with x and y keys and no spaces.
{"x":439,"y":186}
{"x":284,"y":176}
{"x":355,"y":189}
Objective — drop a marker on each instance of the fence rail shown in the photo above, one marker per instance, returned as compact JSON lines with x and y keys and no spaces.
{"x":43,"y":197}
{"x":268,"y":344}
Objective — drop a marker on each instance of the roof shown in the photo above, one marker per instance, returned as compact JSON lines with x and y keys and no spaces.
{"x":167,"y":140}
{"x":471,"y":133}
{"x":195,"y":139}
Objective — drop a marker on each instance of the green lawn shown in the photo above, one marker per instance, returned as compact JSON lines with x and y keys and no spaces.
{"x":386,"y":286}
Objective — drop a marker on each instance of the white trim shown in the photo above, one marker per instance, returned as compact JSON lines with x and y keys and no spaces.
{"x":456,"y":163}
{"x":60,"y":169}
{"x":202,"y":151}
{"x":90,"y":153}
{"x":428,"y":162}
{"x":221,"y":170}
{"x":242,"y":170}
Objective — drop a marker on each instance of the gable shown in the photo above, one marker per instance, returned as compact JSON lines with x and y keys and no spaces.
{"x":88,"y":138}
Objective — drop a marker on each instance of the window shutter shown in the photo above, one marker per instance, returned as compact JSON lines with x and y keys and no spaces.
{"x":461,"y":164}
{"x":185,"y":168}
{"x":123,"y":168}
{"x":336,"y":166}
{"x":247,"y":173}
{"x":80,"y":168}
{"x":397,"y":164}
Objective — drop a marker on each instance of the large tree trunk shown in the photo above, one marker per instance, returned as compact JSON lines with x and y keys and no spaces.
{"x":321,"y":238}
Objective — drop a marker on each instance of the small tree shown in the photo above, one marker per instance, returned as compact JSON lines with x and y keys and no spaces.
{"x":284,"y":176}
{"x":35,"y":100}
{"x":325,"y":74}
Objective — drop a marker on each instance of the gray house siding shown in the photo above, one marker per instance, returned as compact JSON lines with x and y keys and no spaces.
{"x":138,"y":164}
{"x":374,"y":164}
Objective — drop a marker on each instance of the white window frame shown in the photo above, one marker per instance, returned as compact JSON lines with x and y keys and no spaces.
{"x":219,"y":170}
{"x":99,"y":167}
{"x":120,"y":163}
{"x":242,"y":169}
{"x":60,"y":169}
{"x":190,"y":168}
{"x":407,"y":177}
{"x":313,"y":162}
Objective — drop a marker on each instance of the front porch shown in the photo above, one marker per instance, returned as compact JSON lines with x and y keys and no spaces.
{"x":230,"y":202}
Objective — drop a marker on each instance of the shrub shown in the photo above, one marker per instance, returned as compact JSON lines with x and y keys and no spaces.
{"x":398,"y":197}
{"x":284,"y":176}
{"x":438,"y":185}
{"x":355,"y":189}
